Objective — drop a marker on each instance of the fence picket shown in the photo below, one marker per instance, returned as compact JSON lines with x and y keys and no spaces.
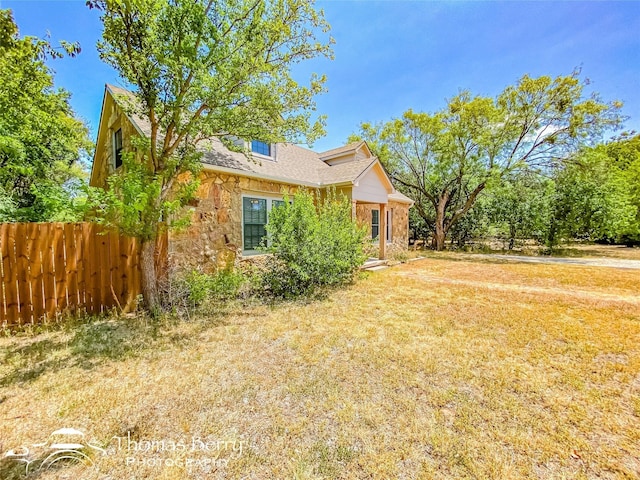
{"x":59,"y":270}
{"x":71,"y":265}
{"x":46,"y":246}
{"x":25,"y":302}
{"x":48,"y":268}
{"x":10,"y":279}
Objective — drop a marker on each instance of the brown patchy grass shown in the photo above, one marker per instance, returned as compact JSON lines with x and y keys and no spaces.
{"x":434,"y":369}
{"x":572,"y":250}
{"x":610,"y":251}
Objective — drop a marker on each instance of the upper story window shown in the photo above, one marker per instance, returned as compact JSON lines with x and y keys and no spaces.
{"x":117,"y":148}
{"x":263,"y":148}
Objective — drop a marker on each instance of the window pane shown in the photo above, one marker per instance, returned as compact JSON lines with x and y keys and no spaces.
{"x":262,"y":148}
{"x":117,"y":147}
{"x":253,"y":235}
{"x":389,"y":226}
{"x":375,"y":223}
{"x":254,"y":216}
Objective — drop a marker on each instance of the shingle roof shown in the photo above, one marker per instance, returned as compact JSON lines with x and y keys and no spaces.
{"x":294,"y":164}
{"x":340,"y":150}
{"x":399,"y":197}
{"x":346,"y":172}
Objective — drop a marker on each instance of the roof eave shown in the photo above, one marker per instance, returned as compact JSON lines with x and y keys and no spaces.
{"x":95,"y":151}
{"x":260,"y":176}
{"x":131,"y":120}
{"x":408,"y":201}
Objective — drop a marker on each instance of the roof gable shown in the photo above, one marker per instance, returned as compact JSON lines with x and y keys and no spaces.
{"x":292,"y":164}
{"x":347,"y":153}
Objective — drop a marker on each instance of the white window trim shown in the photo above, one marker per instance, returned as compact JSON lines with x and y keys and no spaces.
{"x":269,"y":199}
{"x":388,"y":226}
{"x":373,"y":239}
{"x":272,"y":148}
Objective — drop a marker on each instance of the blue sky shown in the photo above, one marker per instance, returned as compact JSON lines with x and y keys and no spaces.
{"x":394,"y":55}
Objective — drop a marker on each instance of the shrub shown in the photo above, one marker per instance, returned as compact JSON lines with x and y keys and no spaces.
{"x":187,"y":290}
{"x":313,"y":244}
{"x":225,"y":284}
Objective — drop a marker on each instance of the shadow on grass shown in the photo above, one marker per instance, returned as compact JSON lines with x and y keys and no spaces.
{"x":92,"y":342}
{"x":33,"y":468}
{"x":567,"y":250}
{"x":455,"y":256}
{"x":12,"y":470}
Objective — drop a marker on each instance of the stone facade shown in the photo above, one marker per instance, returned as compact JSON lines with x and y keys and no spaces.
{"x":399,"y":223}
{"x":214,"y":239}
{"x":104,"y":159}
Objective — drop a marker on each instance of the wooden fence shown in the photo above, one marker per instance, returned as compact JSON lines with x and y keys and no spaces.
{"x":50,"y":268}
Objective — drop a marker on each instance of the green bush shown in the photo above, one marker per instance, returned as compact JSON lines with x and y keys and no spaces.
{"x":225,"y":284}
{"x":313,"y":244}
{"x":194,"y":288}
{"x":197,"y":287}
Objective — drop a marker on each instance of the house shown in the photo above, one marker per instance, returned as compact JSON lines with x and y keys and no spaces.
{"x":236,"y":192}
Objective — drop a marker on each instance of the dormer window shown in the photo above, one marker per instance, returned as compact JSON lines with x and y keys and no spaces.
{"x":261,"y":148}
{"x":117,"y":148}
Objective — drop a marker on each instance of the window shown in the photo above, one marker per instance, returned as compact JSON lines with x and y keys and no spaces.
{"x":263,"y":148}
{"x":255,"y":213}
{"x":117,"y":148}
{"x":389,"y":225}
{"x":375,"y":223}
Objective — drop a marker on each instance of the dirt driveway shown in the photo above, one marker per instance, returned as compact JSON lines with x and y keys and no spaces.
{"x":588,"y":262}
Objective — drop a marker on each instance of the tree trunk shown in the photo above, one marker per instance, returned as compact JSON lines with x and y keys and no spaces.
{"x":439,"y":237}
{"x":512,"y":236}
{"x":441,"y":229}
{"x":149,"y":277}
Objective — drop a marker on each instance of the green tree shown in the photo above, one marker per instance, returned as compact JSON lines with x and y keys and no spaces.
{"x":474,"y":225}
{"x":445,"y":160}
{"x":520,"y":207}
{"x":201,"y":69}
{"x":596,"y":195}
{"x":624,"y":153}
{"x":314,"y":242}
{"x":41,"y":142}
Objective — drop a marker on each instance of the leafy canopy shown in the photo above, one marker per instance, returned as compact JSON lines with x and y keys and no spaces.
{"x":597,"y":194}
{"x":41,"y":141}
{"x":444,"y":160}
{"x":201,"y":69}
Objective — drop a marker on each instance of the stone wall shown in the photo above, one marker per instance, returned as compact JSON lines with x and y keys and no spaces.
{"x":214,"y":239}
{"x":399,"y":223}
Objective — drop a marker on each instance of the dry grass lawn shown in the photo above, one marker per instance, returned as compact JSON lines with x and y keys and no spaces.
{"x":442,"y":368}
{"x":610,"y":251}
